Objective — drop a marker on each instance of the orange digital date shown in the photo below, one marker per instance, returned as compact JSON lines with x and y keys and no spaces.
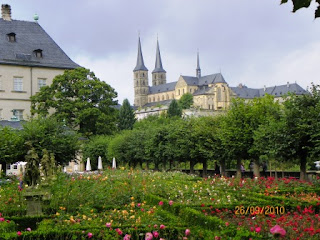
{"x":266,"y":210}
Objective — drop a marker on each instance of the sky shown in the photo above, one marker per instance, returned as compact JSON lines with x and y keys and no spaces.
{"x":254,"y":42}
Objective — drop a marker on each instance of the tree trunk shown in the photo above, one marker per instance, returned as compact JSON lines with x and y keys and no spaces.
{"x":239,"y":173}
{"x":204,"y":169}
{"x":156,"y":166}
{"x":256,"y":168}
{"x":303,"y":168}
{"x":191,"y":166}
{"x":223,"y":168}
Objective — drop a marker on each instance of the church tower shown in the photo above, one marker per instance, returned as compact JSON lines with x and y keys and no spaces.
{"x":158,"y":74}
{"x":140,"y":76}
{"x":198,"y":70}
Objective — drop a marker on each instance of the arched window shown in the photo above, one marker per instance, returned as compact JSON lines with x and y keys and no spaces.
{"x":162,"y":97}
{"x":219,"y":94}
{"x":158,"y":99}
{"x":179,"y":92}
{"x":154,"y":99}
{"x":172,"y":95}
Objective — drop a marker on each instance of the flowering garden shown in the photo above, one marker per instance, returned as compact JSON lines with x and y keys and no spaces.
{"x":135,"y":204}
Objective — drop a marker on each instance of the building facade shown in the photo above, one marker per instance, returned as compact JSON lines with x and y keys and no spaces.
{"x":210,"y":92}
{"x":29,"y":59}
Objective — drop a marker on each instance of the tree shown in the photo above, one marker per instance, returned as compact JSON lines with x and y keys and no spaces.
{"x":126,"y":116}
{"x":80,"y":99}
{"x":10,"y":145}
{"x":174,"y":109}
{"x":186,"y":101}
{"x":297,"y":4}
{"x":52,"y":135}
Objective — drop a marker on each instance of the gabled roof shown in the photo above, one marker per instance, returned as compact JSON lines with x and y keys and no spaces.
{"x":276,"y":91}
{"x":30,"y":36}
{"x":191,"y":81}
{"x":140,"y":64}
{"x":162,"y":88}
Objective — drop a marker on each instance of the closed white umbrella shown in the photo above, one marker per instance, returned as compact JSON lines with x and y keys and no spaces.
{"x":114,"y":165}
{"x":88,"y":166}
{"x":100,"y":163}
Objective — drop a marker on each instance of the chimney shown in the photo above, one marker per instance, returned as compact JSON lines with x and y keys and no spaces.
{"x":288,"y":84}
{"x":6,"y":12}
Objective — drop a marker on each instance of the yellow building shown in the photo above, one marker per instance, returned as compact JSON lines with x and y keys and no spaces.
{"x":29,"y":59}
{"x":211,"y":93}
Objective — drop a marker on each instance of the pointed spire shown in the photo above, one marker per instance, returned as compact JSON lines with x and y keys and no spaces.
{"x":140,"y":64}
{"x":158,"y":66}
{"x":198,"y":70}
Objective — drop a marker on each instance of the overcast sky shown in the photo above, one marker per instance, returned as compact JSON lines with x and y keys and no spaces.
{"x":254,"y":42}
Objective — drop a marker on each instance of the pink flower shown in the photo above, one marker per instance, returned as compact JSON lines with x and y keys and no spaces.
{"x":227,"y":224}
{"x":139,"y":204}
{"x":127,"y":237}
{"x":108,"y":225}
{"x":162,"y":226}
{"x":161,"y":203}
{"x":28,"y":229}
{"x":277,"y":230}
{"x":155,"y":226}
{"x":155,"y":234}
{"x":258,"y":229}
{"x":187,"y":232}
{"x":1,"y":219}
{"x":19,"y":233}
{"x":170,"y":202}
{"x":217,"y":238}
{"x":90,"y":235}
{"x":118,"y":230}
{"x":148,"y":236}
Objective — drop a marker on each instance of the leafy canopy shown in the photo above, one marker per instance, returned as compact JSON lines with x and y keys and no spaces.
{"x":174,"y":109}
{"x":186,"y":101}
{"x":80,"y":99}
{"x":297,"y":4}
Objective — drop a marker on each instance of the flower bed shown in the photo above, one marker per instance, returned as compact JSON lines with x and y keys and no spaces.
{"x":127,"y":204}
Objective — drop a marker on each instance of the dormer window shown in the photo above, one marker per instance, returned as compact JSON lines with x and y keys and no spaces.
{"x":38,"y":53}
{"x":11,"y":37}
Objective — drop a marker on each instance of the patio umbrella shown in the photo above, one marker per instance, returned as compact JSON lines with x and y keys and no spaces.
{"x":100,"y":163}
{"x":114,"y":165}
{"x":88,"y":166}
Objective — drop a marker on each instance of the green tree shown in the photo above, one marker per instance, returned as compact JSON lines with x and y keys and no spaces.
{"x":126,"y":116}
{"x":95,"y":147}
{"x":186,"y":101}
{"x":174,"y":109}
{"x":10,"y":145}
{"x":298,"y":4}
{"x":52,"y":135}
{"x":81,"y":99}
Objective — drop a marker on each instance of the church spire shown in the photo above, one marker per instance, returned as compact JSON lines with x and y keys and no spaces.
{"x":198,"y":70}
{"x":158,"y":66}
{"x":140,"y":64}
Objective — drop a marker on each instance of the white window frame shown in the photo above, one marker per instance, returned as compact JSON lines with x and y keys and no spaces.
{"x":42,"y":82}
{"x":18,"y":113}
{"x":18,"y":84}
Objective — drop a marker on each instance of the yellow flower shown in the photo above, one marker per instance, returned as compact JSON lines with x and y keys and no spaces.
{"x":57,"y":214}
{"x":84,"y":217}
{"x":132,"y":198}
{"x":132,"y":217}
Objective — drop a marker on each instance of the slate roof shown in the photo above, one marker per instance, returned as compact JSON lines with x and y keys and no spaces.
{"x":213,"y":78}
{"x":158,"y":66}
{"x":140,"y":64}
{"x":13,"y":124}
{"x":164,"y":103}
{"x":276,"y":91}
{"x":192,"y":81}
{"x":30,"y":36}
{"x":202,"y":90}
{"x":162,"y":88}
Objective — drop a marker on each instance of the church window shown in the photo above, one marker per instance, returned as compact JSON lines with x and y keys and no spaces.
{"x":136,"y":75}
{"x":179,"y":92}
{"x":143,"y":83}
{"x":162,"y":97}
{"x":219,"y":94}
{"x":172,"y":96}
{"x":158,"y":98}
{"x":142,"y":74}
{"x":161,"y":76}
{"x":144,"y":91}
{"x":167,"y":97}
{"x":154,"y":99}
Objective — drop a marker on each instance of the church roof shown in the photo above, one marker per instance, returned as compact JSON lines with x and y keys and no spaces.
{"x":29,"y":38}
{"x":277,"y":91}
{"x":140,"y":64}
{"x":202,"y":90}
{"x":162,"y":88}
{"x":164,"y":103}
{"x":192,"y":81}
{"x":13,"y":124}
{"x":210,"y":79}
{"x":158,"y":66}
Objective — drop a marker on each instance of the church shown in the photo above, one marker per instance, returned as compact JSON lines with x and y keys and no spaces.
{"x":211,"y":93}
